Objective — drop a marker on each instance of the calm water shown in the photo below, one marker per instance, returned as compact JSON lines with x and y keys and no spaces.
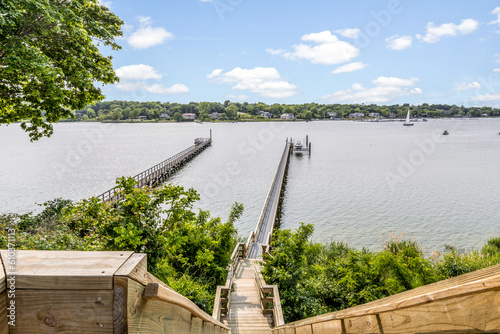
{"x":362,"y":182}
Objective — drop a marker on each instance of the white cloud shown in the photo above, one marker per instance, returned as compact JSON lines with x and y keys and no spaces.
{"x":147,"y":36}
{"x":434,"y":34}
{"x":496,"y":12}
{"x":349,"y":67}
{"x":160,"y":89}
{"x":137,"y":72}
{"x":237,"y":97}
{"x":135,"y":77}
{"x":466,"y":86}
{"x":214,"y":73}
{"x":264,"y":81}
{"x":397,"y":42}
{"x":386,"y":89}
{"x":496,"y":70}
{"x":492,"y":99}
{"x":349,"y":33}
{"x":275,"y":51}
{"x":321,"y":48}
{"x":394,"y":82}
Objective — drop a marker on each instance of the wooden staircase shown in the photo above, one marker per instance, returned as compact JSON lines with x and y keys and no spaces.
{"x":245,"y":311}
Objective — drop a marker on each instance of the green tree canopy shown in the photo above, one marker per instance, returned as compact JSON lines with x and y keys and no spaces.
{"x":49,"y":59}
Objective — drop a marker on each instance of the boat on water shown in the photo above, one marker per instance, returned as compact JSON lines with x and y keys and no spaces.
{"x":407,"y":121}
{"x":445,"y":133}
{"x":299,"y":148}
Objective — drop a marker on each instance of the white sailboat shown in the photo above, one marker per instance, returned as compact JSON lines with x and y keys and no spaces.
{"x":407,"y":122}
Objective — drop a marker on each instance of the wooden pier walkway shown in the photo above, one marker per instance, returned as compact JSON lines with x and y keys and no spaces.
{"x":157,"y":174}
{"x":245,"y":314}
{"x":268,"y":216}
{"x":246,"y":304}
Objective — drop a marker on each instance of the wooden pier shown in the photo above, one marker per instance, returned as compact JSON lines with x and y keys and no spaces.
{"x":246,"y":304}
{"x":157,"y":174}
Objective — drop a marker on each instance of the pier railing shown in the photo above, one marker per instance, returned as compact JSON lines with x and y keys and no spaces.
{"x":269,"y":298}
{"x":221,"y":303}
{"x":269,"y":212}
{"x":158,"y":173}
{"x":468,"y":303}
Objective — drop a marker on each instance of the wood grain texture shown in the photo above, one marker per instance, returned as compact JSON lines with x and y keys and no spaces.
{"x":304,"y":330}
{"x":466,"y":314}
{"x":120,"y":297}
{"x":328,"y":327}
{"x":363,"y":324}
{"x":196,"y":325}
{"x":66,"y":269}
{"x":159,"y":292}
{"x":63,"y":311}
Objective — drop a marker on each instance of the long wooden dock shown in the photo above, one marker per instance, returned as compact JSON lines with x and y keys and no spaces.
{"x":160,"y":172}
{"x":246,"y":303}
{"x":269,"y":213}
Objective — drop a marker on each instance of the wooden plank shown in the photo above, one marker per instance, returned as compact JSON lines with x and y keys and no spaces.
{"x":328,"y":327}
{"x":466,"y":314}
{"x":363,"y":324}
{"x":63,"y":311}
{"x":208,"y":328}
{"x":196,"y":325}
{"x":304,"y":330}
{"x":155,"y":291}
{"x":4,"y":327}
{"x":136,"y":268}
{"x":151,"y":316}
{"x":66,"y":269}
{"x":120,"y":297}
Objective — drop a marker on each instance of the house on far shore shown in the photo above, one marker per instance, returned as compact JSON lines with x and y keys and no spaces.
{"x":265,"y":114}
{"x":287,"y":116}
{"x":331,"y":114}
{"x":356,"y":115}
{"x":142,"y":118}
{"x":215,"y":115}
{"x":164,"y":115}
{"x":374,"y":114}
{"x":391,"y":115}
{"x":189,"y":116}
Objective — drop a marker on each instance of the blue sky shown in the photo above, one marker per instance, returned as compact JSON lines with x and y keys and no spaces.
{"x":324,"y":51}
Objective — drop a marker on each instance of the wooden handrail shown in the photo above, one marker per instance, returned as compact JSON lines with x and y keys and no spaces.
{"x":155,"y":291}
{"x":265,"y":289}
{"x":465,"y":303}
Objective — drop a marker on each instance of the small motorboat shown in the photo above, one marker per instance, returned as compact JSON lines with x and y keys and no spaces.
{"x":445,"y":133}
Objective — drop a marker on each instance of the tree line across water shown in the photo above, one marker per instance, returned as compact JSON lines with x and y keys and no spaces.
{"x":128,"y":110}
{"x":190,"y":250}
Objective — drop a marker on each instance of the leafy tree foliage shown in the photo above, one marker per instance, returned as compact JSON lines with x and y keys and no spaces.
{"x":49,"y":59}
{"x":314,"y":279}
{"x":189,"y":251}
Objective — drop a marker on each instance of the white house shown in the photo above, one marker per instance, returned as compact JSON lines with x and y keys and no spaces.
{"x":287,"y":116}
{"x":332,"y":114}
{"x":265,"y":114}
{"x":215,"y":115}
{"x":374,"y":114}
{"x":356,"y":115}
{"x":189,"y":116}
{"x":164,"y":115}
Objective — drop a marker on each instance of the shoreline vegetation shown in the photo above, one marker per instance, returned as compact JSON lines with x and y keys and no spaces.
{"x":189,"y":251}
{"x":130,"y":111}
